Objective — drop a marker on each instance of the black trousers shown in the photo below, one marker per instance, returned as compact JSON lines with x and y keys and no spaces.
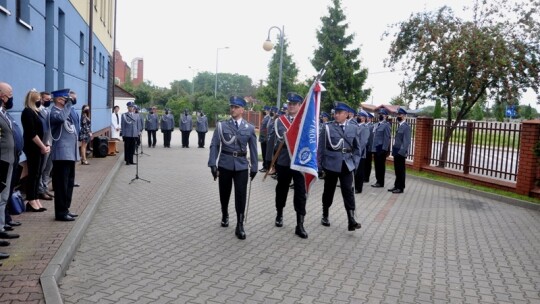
{"x":129,"y":148}
{"x":399,"y":167}
{"x":225,"y":181}
{"x":263,"y":151}
{"x":284,"y":177}
{"x":200,"y":141}
{"x":367,"y":166}
{"x":346,"y":183}
{"x":185,"y":139}
{"x":34,"y":165}
{"x":380,"y":167}
{"x":167,"y":138}
{"x":63,"y":178}
{"x":151,"y":138}
{"x":359,"y":176}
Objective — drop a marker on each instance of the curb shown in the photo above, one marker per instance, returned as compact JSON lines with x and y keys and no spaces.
{"x":56,"y":268}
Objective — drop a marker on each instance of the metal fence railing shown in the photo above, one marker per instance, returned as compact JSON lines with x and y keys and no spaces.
{"x":489,"y":149}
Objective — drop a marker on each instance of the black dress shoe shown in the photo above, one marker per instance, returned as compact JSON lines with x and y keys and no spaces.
{"x":72,"y":214}
{"x":4,"y":255}
{"x":279,"y":221}
{"x":8,"y":228}
{"x":132,"y":163}
{"x":5,"y":235}
{"x":76,"y":185}
{"x":225,"y":221}
{"x":357,"y":191}
{"x":44,"y":196}
{"x":65,"y":218}
{"x":29,"y":208}
{"x":262,"y":170}
{"x":49,"y":194}
{"x":127,"y":164}
{"x":4,"y":243}
{"x":14,"y":223}
{"x":397,"y":191}
{"x":392,"y":189}
{"x":377,"y":185}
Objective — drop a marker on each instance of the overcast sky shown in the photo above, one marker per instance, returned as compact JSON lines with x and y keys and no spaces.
{"x":172,"y":35}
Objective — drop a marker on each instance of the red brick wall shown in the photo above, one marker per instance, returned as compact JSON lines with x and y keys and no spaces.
{"x":422,"y":142}
{"x":528,"y":162}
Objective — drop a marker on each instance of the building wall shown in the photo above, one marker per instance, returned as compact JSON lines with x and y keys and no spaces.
{"x":49,"y":51}
{"x":137,"y":71}
{"x":121,"y":68}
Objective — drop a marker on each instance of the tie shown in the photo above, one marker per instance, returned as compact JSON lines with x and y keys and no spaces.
{"x":236,"y":124}
{"x":342,"y":128}
{"x":117,"y":119}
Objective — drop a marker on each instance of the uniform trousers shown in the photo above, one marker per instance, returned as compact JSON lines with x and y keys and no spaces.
{"x":4,"y":197}
{"x":380,"y":167}
{"x":185,"y":139}
{"x":359,"y":176}
{"x":63,"y":178}
{"x":151,"y":138}
{"x":399,"y":167}
{"x":200,"y":141}
{"x":367,"y":166}
{"x":129,"y":148}
{"x":225,"y":181}
{"x":346,"y":183}
{"x":15,"y":178}
{"x":263,"y":151}
{"x":167,"y":138}
{"x":284,"y":176}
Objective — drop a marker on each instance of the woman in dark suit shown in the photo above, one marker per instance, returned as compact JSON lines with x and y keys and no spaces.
{"x":33,"y":126}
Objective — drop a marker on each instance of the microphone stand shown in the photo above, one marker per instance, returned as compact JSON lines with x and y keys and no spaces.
{"x":142,"y":152}
{"x":137,"y":168}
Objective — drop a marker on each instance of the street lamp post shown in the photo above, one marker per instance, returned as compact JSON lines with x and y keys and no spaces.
{"x":268,"y":46}
{"x":193,"y":79}
{"x":217,"y":61}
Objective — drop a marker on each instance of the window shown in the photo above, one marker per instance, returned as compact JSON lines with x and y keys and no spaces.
{"x":81,"y":48}
{"x":23,"y":13}
{"x":95,"y":59}
{"x":3,"y":7}
{"x":100,"y":64}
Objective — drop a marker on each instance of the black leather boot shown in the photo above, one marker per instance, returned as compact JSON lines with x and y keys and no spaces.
{"x":353,"y":225}
{"x":240,"y":233}
{"x":300,"y":231}
{"x":224,"y":219}
{"x":325,"y":221}
{"x":279,"y":218}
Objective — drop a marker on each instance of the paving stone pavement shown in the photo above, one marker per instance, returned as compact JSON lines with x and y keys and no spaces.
{"x":161,"y":242}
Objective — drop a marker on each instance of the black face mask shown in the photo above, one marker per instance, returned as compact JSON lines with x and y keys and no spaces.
{"x":9,"y":103}
{"x":399,"y":119}
{"x":47,"y":103}
{"x":38,"y":103}
{"x":151,"y":112}
{"x":271,"y":114}
{"x":381,"y":117}
{"x":358,"y":120}
{"x":166,"y":112}
{"x":86,"y":111}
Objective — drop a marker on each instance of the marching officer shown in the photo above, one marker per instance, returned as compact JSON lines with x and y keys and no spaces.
{"x":400,"y":149}
{"x":151,"y":127}
{"x":201,"y":128}
{"x":270,"y":142}
{"x":129,"y":124}
{"x":285,"y":174}
{"x":167,"y":126}
{"x":263,"y":136}
{"x":229,"y":143}
{"x":339,"y":152}
{"x":186,"y":126}
{"x":380,"y":147}
{"x":363,"y":138}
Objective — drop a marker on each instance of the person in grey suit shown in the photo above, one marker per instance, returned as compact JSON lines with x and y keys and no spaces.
{"x":151,"y":127}
{"x":44,"y":111}
{"x":285,"y":174}
{"x":340,"y":153}
{"x":167,"y":126}
{"x":369,"y":154}
{"x":400,"y":150}
{"x":7,"y":157}
{"x":64,"y":153}
{"x":230,"y":142}
{"x":129,"y":124}
{"x":202,"y":128}
{"x":186,"y":126}
{"x":363,"y":138}
{"x":381,"y":147}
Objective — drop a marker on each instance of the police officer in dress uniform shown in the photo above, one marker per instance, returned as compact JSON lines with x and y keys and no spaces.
{"x":400,"y":149}
{"x":381,"y":147}
{"x":339,"y":152}
{"x":263,"y":136}
{"x":285,"y":174}
{"x":151,"y":127}
{"x":201,"y":128}
{"x":130,"y":132}
{"x":363,"y":137}
{"x":65,"y":152}
{"x":167,"y":126}
{"x":186,"y":125}
{"x":369,"y":155}
{"x":270,"y":142}
{"x":229,"y":143}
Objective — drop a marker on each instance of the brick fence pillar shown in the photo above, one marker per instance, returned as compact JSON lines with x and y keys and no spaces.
{"x":422,"y":142}
{"x":528,"y":162}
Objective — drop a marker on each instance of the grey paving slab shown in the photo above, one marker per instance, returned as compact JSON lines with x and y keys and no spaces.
{"x":161,"y":242}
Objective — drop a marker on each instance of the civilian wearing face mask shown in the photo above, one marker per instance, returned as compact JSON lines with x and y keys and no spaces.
{"x":167,"y":126}
{"x":151,"y":126}
{"x":380,"y":147}
{"x":400,"y":150}
{"x":46,"y":161}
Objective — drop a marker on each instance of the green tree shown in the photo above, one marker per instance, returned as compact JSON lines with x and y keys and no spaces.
{"x":477,"y":112}
{"x":268,"y":93}
{"x":344,"y":78}
{"x":494,"y":56}
{"x":437,"y":111}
